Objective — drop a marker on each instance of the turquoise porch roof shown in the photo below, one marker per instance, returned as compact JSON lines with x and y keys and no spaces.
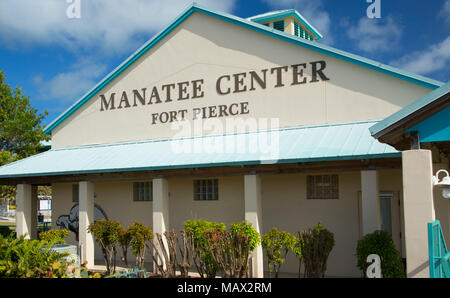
{"x":346,"y":141}
{"x":409,"y":110}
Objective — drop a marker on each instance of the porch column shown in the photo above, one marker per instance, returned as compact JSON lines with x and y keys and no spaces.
{"x":370,"y":203}
{"x":253,"y":214}
{"x":418,"y":209}
{"x":85,"y":218}
{"x":160,"y":206}
{"x":26,"y":211}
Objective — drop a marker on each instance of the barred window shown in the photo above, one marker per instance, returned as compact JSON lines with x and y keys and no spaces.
{"x":75,"y":193}
{"x":142,"y":191}
{"x":206,"y":190}
{"x":322,"y":187}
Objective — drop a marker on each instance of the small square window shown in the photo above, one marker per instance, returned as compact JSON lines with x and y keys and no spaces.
{"x":142,"y":191}
{"x":322,"y":187}
{"x":206,"y":190}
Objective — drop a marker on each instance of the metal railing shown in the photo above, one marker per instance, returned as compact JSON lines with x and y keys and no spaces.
{"x":437,"y":250}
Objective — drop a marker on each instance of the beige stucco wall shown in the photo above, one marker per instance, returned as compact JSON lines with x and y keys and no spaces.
{"x":284,"y":205}
{"x":115,"y":198}
{"x":228,"y":209}
{"x":203,"y":47}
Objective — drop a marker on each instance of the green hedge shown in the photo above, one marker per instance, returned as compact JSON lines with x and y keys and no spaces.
{"x":380,"y":243}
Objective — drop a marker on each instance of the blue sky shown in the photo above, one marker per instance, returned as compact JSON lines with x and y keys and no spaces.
{"x":55,"y":59}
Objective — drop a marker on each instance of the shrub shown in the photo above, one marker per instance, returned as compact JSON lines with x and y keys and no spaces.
{"x":106,"y":233}
{"x":6,"y":232}
{"x":125,"y":241}
{"x":207,"y":267}
{"x":315,"y":246}
{"x":246,"y":228}
{"x":54,"y":235}
{"x":140,"y":234}
{"x":277,"y":244}
{"x":30,"y":258}
{"x":297,"y":250}
{"x":168,"y":254}
{"x":380,"y":243}
{"x":229,"y":251}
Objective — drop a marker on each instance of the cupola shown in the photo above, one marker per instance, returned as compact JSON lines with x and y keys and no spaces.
{"x":289,"y":21}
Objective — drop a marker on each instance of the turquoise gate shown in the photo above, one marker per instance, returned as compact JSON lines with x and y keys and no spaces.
{"x":437,"y":250}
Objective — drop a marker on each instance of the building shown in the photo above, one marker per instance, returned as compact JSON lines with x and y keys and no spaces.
{"x":225,"y":119}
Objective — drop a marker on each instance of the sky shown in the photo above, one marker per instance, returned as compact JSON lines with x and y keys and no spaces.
{"x":57,"y":50}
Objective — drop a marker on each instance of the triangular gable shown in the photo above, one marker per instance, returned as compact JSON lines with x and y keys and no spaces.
{"x":286,"y":13}
{"x":420,"y":80}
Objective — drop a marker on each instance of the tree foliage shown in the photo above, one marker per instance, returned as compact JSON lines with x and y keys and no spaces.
{"x":21,"y":130}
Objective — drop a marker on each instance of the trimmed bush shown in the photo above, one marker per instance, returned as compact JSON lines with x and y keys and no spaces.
{"x":207,"y":267}
{"x":125,"y":241}
{"x":140,"y":234}
{"x":248,"y":230}
{"x":277,"y":244}
{"x":56,"y":236}
{"x":380,"y":242}
{"x":315,"y":246}
{"x":106,"y":233}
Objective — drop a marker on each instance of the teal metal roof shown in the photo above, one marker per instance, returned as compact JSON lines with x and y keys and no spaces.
{"x":410,"y":109}
{"x":315,"y":46}
{"x":346,"y":141}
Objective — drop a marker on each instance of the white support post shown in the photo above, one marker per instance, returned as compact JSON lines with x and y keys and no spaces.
{"x":253,"y":214}
{"x":418,"y":209}
{"x":34,"y":212}
{"x":370,"y":203}
{"x":85,"y":218}
{"x":160,"y":207}
{"x":24,"y":210}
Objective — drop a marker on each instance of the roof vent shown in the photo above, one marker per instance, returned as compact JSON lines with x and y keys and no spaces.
{"x":289,"y":21}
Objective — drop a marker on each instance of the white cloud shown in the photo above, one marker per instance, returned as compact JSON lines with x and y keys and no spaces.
{"x":432,"y":59}
{"x":112,"y":26}
{"x":445,"y":12}
{"x":70,"y":85}
{"x":106,"y":29}
{"x":312,"y":10}
{"x":376,"y":35}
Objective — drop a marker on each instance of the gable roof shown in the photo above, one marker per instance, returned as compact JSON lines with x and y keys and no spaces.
{"x":389,"y":123}
{"x":283,"y":14}
{"x":327,"y":50}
